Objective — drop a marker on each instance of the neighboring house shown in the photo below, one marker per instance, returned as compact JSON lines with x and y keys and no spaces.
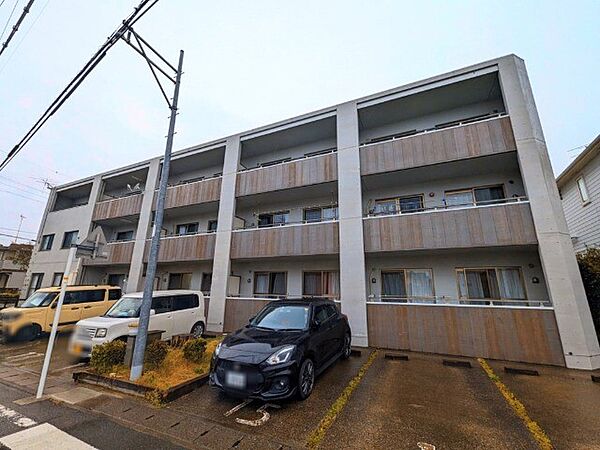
{"x":579,"y":187}
{"x":12,"y":273}
{"x":424,"y":210}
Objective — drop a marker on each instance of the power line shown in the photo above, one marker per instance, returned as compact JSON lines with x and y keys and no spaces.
{"x":14,"y":229}
{"x":20,"y":189}
{"x":17,"y":237}
{"x":8,"y":20}
{"x":16,"y":26}
{"x":125,"y":26}
{"x":41,"y":191}
{"x":23,"y":196}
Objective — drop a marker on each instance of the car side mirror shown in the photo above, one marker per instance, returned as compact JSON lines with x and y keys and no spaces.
{"x":152,"y":312}
{"x":251,"y":319}
{"x":53,"y":306}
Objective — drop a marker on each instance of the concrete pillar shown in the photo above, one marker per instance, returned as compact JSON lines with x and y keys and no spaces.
{"x":221,"y":261}
{"x":353,"y":289}
{"x":577,"y":334}
{"x":136,"y":267}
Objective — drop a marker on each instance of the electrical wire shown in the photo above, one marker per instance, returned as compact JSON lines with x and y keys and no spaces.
{"x":8,"y":20}
{"x":22,"y":196}
{"x":17,"y":237}
{"x":39,"y":196}
{"x":16,"y":26}
{"x":39,"y":191}
{"x":20,"y":231}
{"x":143,"y":7}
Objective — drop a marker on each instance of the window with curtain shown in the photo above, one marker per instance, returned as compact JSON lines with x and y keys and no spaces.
{"x":489,"y":195}
{"x":407,"y":285}
{"x":397,"y":205}
{"x":273,"y":219}
{"x":206,"y":283}
{"x":458,"y":198}
{"x":495,"y":283}
{"x":186,"y":228}
{"x":321,"y":284}
{"x":270,"y":284}
{"x":180,"y":281}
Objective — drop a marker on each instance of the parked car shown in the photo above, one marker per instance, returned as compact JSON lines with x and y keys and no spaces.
{"x":36,"y":314}
{"x":174,"y":312}
{"x":281,"y":350}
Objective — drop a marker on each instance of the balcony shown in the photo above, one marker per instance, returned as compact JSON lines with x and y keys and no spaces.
{"x":288,"y":240}
{"x":193,"y":193}
{"x":465,"y":226}
{"x":195,"y":247}
{"x":305,"y":171}
{"x":118,"y":207}
{"x":117,"y":253}
{"x":486,"y":137}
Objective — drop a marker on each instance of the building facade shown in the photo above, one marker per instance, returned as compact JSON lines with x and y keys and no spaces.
{"x":579,"y":187}
{"x":12,"y":274}
{"x":429,"y":211}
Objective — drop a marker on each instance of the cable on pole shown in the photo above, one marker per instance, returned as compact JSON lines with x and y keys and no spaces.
{"x":9,"y":17}
{"x":16,"y":26}
{"x":143,"y":7}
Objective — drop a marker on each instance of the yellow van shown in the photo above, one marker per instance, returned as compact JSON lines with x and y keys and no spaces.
{"x":34,"y":316}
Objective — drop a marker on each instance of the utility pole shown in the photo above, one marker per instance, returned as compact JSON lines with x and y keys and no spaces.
{"x":137,"y":363}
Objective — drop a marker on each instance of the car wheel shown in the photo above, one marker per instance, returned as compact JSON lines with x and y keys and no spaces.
{"x":347,"y":346}
{"x":197,"y":330}
{"x":306,"y":379}
{"x":29,"y":333}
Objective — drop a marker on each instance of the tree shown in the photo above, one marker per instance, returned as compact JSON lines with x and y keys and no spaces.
{"x":589,"y":266}
{"x":21,"y":257}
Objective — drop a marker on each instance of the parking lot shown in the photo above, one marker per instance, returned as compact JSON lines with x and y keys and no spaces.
{"x":411,"y":403}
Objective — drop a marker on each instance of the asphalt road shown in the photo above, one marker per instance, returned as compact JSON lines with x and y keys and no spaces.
{"x":99,"y":432}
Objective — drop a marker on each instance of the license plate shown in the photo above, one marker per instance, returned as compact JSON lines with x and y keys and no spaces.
{"x":235,"y":379}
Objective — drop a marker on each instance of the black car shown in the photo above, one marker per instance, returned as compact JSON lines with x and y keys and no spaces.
{"x":282,"y":349}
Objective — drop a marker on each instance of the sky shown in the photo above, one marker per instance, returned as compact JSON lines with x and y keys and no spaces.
{"x":248,"y":64}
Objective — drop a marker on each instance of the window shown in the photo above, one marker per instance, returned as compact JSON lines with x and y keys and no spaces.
{"x":181,"y":302}
{"x":493,"y":283}
{"x":583,"y":192}
{"x":116,"y":279}
{"x":320,"y":214}
{"x":180,"y":281}
{"x":47,"y":241}
{"x":162,"y":304}
{"x":3,"y":280}
{"x":74,"y":297}
{"x":124,"y":235}
{"x":69,"y":239}
{"x":35,"y":283}
{"x":321,"y":284}
{"x":273,"y":219}
{"x":270,"y":283}
{"x":186,"y":228}
{"x":475,"y":196}
{"x":57,"y":278}
{"x":206,"y":283}
{"x":114,"y":294}
{"x":212,"y":225}
{"x":412,"y":285}
{"x":398,"y":205}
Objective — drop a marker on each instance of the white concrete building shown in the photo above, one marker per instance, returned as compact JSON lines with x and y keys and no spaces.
{"x":579,"y":187}
{"x":429,"y":211}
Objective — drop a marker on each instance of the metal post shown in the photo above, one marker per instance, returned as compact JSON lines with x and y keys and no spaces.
{"x":59,"y":303}
{"x":137,"y":363}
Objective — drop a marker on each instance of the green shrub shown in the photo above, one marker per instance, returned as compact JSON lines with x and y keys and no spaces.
{"x":589,"y":266}
{"x":156,"y":352}
{"x":194,"y":349}
{"x":106,"y":356}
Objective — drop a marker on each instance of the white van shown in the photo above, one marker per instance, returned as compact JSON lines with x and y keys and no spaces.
{"x":174,"y":312}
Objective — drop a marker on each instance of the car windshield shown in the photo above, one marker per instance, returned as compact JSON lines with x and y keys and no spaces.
{"x":126,"y":307}
{"x":38,"y":299}
{"x":282,"y":317}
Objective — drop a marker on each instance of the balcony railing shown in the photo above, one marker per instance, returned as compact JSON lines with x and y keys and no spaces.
{"x":181,"y":248}
{"x":458,"y":227}
{"x":319,"y":238}
{"x":450,"y":301}
{"x":481,"y":138}
{"x":306,"y":171}
{"x":119,"y":207}
{"x":118,"y":252}
{"x":193,"y":192}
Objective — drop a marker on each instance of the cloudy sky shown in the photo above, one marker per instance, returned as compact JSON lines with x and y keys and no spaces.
{"x":251,"y":63}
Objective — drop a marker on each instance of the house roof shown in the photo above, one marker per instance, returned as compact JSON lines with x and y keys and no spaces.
{"x":590,"y":152}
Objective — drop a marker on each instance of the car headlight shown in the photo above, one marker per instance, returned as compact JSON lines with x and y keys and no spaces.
{"x":281,"y":356}
{"x":218,"y":349}
{"x":101,"y":332}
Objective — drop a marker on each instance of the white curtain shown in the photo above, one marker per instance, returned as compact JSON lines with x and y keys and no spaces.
{"x":312,"y":283}
{"x":509,"y":280}
{"x":474,"y":284}
{"x":459,"y":198}
{"x":279,"y":283}
{"x":420,"y":285}
{"x":261,"y":283}
{"x":332,"y":284}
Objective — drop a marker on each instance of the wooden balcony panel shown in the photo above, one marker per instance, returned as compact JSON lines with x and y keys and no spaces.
{"x":303,"y":172}
{"x":498,"y":225}
{"x":118,"y":207}
{"x":468,"y":141}
{"x":297,"y":240}
{"x":523,"y":335}
{"x":117,"y":252}
{"x":204,"y":191}
{"x":198,"y":247}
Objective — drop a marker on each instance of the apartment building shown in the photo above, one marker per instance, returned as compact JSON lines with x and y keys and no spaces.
{"x":428,"y":211}
{"x":12,"y":274}
{"x":579,"y":188}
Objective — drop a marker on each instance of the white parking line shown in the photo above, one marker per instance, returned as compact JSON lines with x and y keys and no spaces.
{"x":16,"y":418}
{"x":23,"y":355}
{"x":43,"y":437}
